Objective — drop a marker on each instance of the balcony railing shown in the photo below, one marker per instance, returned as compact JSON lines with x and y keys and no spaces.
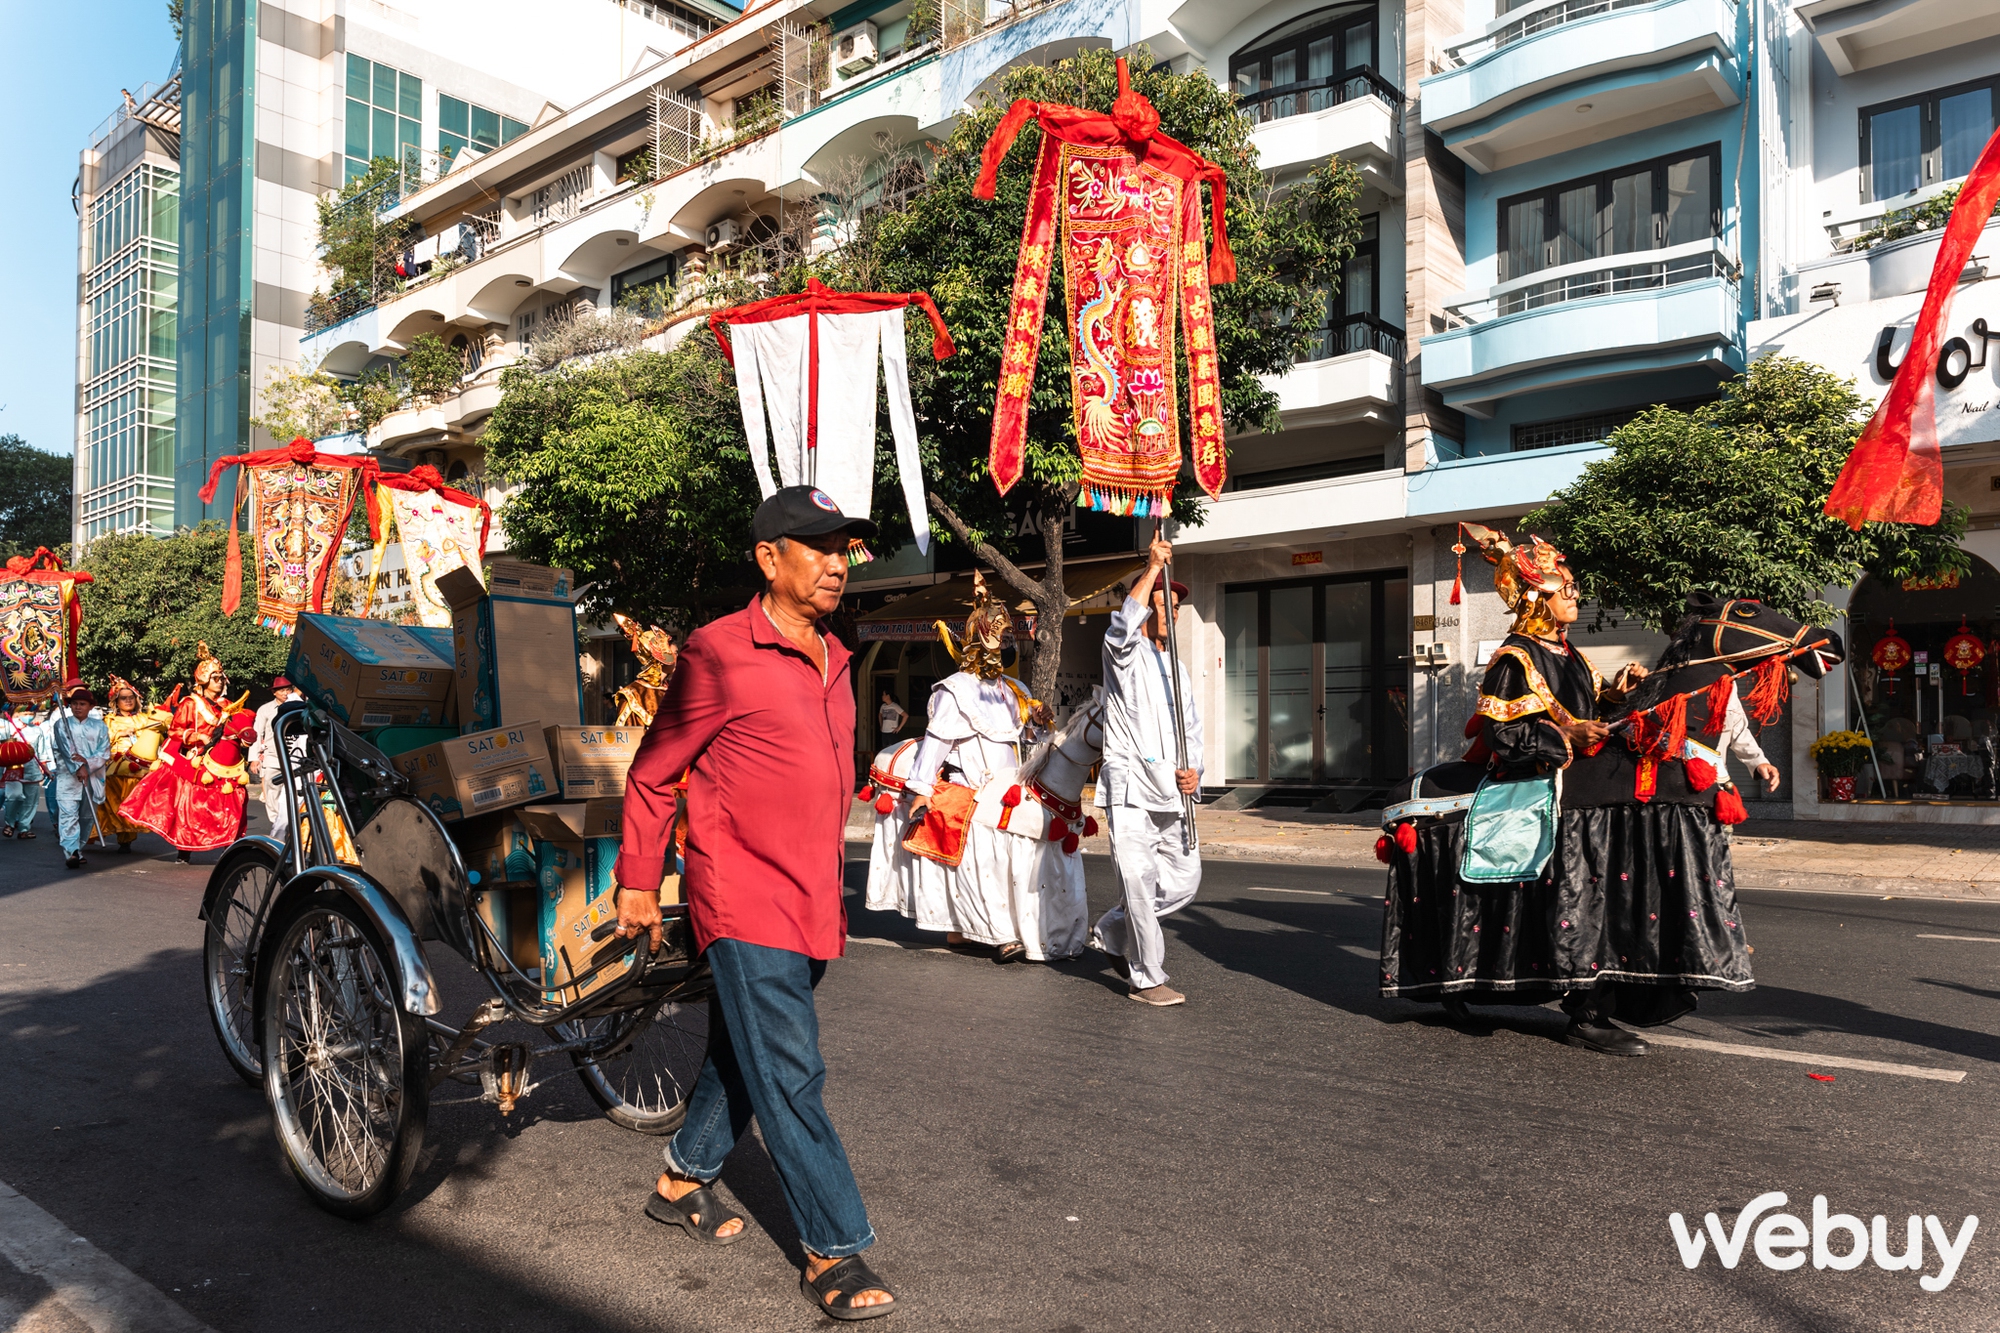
{"x":1308,"y":95}
{"x":1354,"y":333}
{"x":563,"y":197}
{"x":1540,"y":19}
{"x":1608,"y":275}
{"x":344,"y":304}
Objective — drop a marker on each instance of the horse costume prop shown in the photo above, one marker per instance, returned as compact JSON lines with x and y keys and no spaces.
{"x":1619,"y":869}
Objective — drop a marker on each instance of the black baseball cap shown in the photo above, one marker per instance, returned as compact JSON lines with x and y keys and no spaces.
{"x":803,"y":511}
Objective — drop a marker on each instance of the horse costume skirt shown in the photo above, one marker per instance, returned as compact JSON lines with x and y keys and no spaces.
{"x":1640,"y":894}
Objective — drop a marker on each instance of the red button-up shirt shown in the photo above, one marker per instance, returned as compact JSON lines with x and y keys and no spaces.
{"x":768,"y":746}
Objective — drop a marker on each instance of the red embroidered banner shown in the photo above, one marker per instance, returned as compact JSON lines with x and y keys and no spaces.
{"x":1896,"y":473}
{"x":1131,"y":248}
{"x":40,"y":619}
{"x":300,"y":501}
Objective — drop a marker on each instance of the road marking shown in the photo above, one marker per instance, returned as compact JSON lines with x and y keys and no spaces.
{"x":887,"y":944}
{"x":104,"y":1294}
{"x":1971,"y":939}
{"x":1802,"y":1058}
{"x":1265,"y":888}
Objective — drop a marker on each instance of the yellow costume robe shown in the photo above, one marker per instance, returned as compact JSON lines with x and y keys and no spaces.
{"x":148,"y":728}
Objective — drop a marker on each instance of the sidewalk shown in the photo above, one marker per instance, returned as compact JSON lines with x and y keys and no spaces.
{"x":1929,"y":862}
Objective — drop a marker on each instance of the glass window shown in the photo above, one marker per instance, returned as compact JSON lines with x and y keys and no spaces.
{"x":384,"y":94}
{"x":1247,"y":78}
{"x":410,"y":97}
{"x":1291,"y":719}
{"x":1896,"y":150}
{"x":485,"y":129}
{"x":1239,"y":671}
{"x":1319,"y":59}
{"x":1360,"y":45}
{"x":1690,"y":203}
{"x":1576,"y":225}
{"x":1627,"y":218}
{"x":466,"y":123}
{"x":1965,"y":123}
{"x":1647,"y":206}
{"x":357,"y":77}
{"x":1325,"y":49}
{"x":452,"y":115}
{"x":385,"y":110}
{"x":1522,"y":224}
{"x":511,"y":130}
{"x":1284,"y":68}
{"x":357,"y":129}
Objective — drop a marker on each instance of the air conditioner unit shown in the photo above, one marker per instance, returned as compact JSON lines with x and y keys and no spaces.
{"x":855,"y":49}
{"x":722,"y":236}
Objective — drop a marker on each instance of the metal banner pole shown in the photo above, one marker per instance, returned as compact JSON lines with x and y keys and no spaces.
{"x":1174,"y":678}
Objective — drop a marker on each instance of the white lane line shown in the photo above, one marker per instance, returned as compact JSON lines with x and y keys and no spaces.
{"x":1970,"y":939}
{"x":1802,"y":1058}
{"x":1265,"y":888}
{"x":98,"y":1290}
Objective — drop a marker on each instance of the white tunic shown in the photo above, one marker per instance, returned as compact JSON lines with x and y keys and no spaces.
{"x":1737,"y":738}
{"x":1139,"y":741}
{"x":973,"y":737}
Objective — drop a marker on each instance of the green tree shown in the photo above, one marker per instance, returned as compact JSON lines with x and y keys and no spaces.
{"x":432,"y":368}
{"x":963,"y":251}
{"x":155,"y":598}
{"x":1728,"y":497}
{"x":35,"y":497}
{"x":356,"y":246}
{"x":633,"y":473}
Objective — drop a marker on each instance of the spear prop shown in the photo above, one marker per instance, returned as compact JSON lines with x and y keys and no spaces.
{"x":1174,"y":680}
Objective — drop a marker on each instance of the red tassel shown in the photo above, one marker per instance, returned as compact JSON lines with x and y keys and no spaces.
{"x":867,"y":793}
{"x":1767,"y":697}
{"x":1729,"y":806}
{"x":1700,"y":774}
{"x":1457,"y":586}
{"x":885,"y":804}
{"x":1089,"y":826}
{"x":1458,"y":574}
{"x":1058,"y":829}
{"x":1382,"y":849}
{"x":1012,"y":797}
{"x":1406,"y":838}
{"x":1718,"y":705}
{"x":1070,"y":845}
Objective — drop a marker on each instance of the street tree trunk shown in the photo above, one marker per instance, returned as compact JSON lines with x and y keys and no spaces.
{"x":1051,"y":601}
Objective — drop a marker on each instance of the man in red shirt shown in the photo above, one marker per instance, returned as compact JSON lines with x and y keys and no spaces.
{"x":760,"y":717}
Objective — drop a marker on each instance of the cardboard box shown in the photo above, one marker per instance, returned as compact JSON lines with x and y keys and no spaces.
{"x":513,"y":645}
{"x":576,"y":848}
{"x":438,"y":639}
{"x":481,"y":772}
{"x":496,"y":848}
{"x":511,"y":911}
{"x":591,"y":761}
{"x":369,"y":673}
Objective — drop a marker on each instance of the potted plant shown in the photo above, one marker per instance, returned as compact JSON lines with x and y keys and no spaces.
{"x":1839,"y":755}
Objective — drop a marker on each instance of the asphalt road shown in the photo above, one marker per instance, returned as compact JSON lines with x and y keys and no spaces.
{"x":1288,"y":1151}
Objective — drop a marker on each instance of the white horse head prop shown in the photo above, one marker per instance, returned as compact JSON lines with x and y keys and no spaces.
{"x":1045,"y":799}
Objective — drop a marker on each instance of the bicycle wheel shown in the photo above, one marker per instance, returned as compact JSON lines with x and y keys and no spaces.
{"x":643,"y":1084}
{"x":229,"y":963}
{"x":345,"y":1067}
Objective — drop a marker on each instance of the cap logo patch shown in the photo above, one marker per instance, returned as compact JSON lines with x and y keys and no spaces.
{"x":824,"y":501}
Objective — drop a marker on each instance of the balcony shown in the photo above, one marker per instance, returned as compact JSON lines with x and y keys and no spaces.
{"x":1365,"y":504}
{"x":1352,"y":372}
{"x":1591,"y":320}
{"x":1495,"y":484}
{"x":1866,"y":34}
{"x":1561,"y":74}
{"x":1356,"y":119}
{"x":454,"y":419}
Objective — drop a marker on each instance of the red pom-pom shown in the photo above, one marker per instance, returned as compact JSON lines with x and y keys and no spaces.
{"x":1012,"y":797}
{"x":1406,"y":837}
{"x":867,"y":793}
{"x":1700,"y":774}
{"x":1058,"y":830}
{"x":1070,"y":845}
{"x":1382,"y":849}
{"x":1089,"y":826}
{"x":885,"y":804}
{"x":1729,"y":806}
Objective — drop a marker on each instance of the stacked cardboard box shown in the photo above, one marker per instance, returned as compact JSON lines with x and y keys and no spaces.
{"x":576,"y":848}
{"x":591,"y":761}
{"x":481,"y":772}
{"x":514,"y":645}
{"x":368,"y":673}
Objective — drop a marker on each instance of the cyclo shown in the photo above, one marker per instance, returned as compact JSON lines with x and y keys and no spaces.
{"x":321,"y":990}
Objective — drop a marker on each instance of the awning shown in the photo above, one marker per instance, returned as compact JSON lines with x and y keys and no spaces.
{"x":913,"y":618}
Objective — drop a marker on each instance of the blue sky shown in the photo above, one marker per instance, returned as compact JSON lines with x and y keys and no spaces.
{"x":64,"y":64}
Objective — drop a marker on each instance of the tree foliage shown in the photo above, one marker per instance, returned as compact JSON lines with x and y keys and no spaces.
{"x":633,"y":473}
{"x":303,"y":401}
{"x":963,"y":251}
{"x":357,"y":247}
{"x":1728,"y":497}
{"x":35,"y":497}
{"x":154,"y":599}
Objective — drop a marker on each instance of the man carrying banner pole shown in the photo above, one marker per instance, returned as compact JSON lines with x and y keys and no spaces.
{"x":1151,"y":772}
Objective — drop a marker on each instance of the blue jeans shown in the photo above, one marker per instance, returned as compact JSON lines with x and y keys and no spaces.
{"x":764,"y":1061}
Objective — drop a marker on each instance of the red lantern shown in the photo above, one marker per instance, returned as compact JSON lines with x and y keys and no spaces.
{"x":1963,"y":652}
{"x":1892,"y":654}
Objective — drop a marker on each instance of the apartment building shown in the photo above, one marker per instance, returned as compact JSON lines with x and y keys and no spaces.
{"x":127,"y":200}
{"x":286,"y":100}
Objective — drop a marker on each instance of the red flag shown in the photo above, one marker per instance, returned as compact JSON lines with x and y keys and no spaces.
{"x":1896,"y":474}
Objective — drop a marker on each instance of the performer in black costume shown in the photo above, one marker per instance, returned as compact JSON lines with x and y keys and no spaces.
{"x":1635,"y":909}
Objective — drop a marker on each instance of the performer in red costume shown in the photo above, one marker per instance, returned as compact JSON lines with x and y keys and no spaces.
{"x":187,"y":799}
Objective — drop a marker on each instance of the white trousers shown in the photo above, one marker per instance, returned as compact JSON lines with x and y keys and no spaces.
{"x":899,"y":882}
{"x":274,"y":806}
{"x":1050,"y":910}
{"x":1156,"y":878}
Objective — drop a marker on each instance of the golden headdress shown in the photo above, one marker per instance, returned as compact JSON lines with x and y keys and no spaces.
{"x":206,"y":664}
{"x":118,"y":685}
{"x":1524,"y":576}
{"x":985,"y":630}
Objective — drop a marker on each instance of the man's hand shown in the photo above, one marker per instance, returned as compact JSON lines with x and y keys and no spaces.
{"x":639,"y":910}
{"x":1585,"y":734}
{"x":1188,"y":780}
{"x":1629,"y":675}
{"x":918,"y":804}
{"x":1768,"y":775}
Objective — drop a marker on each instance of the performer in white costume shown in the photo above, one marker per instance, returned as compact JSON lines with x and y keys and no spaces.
{"x":1042,"y":806}
{"x":1140,"y":790}
{"x":977,"y":722}
{"x":897,"y":881}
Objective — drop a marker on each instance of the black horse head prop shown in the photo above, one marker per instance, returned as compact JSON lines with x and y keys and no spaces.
{"x":1743,"y":639}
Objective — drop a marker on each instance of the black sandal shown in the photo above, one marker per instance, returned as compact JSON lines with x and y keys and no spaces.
{"x":846,"y":1280}
{"x":696,"y":1203}
{"x":1011,"y":952}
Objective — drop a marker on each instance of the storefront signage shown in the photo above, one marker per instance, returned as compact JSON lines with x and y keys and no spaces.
{"x":1931,"y":582}
{"x":1306,"y":557}
{"x":1423,"y":623}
